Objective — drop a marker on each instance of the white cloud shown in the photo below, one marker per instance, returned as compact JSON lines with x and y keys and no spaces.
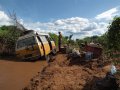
{"x":4,"y":19}
{"x":21,"y":21}
{"x":79,"y":27}
{"x":59,"y":22}
{"x":108,"y":15}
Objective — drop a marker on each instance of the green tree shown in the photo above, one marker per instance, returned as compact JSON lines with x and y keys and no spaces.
{"x":54,"y":37}
{"x":114,"y":34}
{"x":87,"y":39}
{"x":79,"y":41}
{"x":8,"y":37}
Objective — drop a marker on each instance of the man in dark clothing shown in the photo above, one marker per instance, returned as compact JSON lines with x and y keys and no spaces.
{"x":59,"y":40}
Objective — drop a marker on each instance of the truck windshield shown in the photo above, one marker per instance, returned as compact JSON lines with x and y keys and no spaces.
{"x":26,"y":42}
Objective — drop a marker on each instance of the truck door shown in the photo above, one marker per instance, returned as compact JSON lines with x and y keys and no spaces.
{"x":49,"y":41}
{"x":51,"y":44}
{"x":40,"y":45}
{"x":45,"y":44}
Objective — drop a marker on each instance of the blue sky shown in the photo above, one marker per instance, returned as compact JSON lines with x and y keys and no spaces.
{"x":46,"y":10}
{"x":69,"y":16}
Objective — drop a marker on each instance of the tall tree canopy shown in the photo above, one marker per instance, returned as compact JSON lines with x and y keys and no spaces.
{"x":114,"y":34}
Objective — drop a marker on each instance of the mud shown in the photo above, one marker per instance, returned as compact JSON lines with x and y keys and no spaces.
{"x":14,"y":74}
{"x":61,"y":74}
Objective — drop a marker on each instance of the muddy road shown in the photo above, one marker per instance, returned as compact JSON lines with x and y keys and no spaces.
{"x":15,"y":75}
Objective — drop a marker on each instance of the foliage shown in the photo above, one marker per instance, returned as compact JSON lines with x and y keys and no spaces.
{"x":8,"y":37}
{"x":77,"y":43}
{"x":54,"y":37}
{"x":87,"y":39}
{"x":114,"y":34}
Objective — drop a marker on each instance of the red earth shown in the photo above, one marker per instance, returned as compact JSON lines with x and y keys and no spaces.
{"x":14,"y":75}
{"x":62,"y":74}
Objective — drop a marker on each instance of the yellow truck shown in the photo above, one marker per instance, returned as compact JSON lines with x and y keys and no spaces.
{"x":34,"y":45}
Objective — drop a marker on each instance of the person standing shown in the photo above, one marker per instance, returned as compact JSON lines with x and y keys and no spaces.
{"x":59,"y":41}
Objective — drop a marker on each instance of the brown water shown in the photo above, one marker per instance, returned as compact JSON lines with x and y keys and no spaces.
{"x":16,"y":75}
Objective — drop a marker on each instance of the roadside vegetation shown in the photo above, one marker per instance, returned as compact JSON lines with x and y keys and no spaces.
{"x":8,"y":37}
{"x":110,"y":40}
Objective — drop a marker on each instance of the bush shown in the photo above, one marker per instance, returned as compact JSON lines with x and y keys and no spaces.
{"x":114,"y":34}
{"x":8,"y":37}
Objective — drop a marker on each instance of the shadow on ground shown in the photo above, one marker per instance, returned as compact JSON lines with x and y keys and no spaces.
{"x":15,"y":59}
{"x":97,"y":83}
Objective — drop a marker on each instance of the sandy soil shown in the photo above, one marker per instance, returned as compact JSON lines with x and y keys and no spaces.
{"x":15,"y":75}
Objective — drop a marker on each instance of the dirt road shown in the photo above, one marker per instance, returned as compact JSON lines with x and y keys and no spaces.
{"x":16,"y":75}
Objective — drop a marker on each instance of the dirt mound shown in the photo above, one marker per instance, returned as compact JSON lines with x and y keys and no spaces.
{"x":63,"y":78}
{"x":59,"y":75}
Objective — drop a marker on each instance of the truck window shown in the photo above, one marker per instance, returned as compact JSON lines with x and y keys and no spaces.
{"x":51,"y":39}
{"x":43,"y":39}
{"x":26,"y":42}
